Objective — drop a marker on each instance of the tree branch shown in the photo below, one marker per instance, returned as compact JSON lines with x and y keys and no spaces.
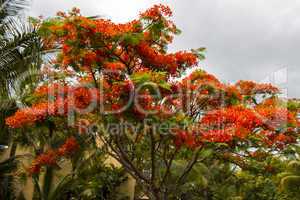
{"x":153,"y":164}
{"x":190,"y":166}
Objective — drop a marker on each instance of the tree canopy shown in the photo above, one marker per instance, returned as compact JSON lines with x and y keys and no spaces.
{"x":156,"y":112}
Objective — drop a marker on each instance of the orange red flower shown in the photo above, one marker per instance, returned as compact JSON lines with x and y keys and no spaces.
{"x":227,"y":123}
{"x":69,"y":147}
{"x":185,"y":138}
{"x":219,"y":136}
{"x":28,"y":116}
{"x":250,"y":88}
{"x":156,"y":12}
{"x":114,"y":66}
{"x":169,"y":62}
{"x":52,"y":156}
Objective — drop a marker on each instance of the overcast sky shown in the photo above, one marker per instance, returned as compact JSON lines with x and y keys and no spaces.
{"x":249,"y":39}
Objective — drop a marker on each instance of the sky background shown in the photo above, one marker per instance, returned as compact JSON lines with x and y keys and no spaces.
{"x":250,"y":39}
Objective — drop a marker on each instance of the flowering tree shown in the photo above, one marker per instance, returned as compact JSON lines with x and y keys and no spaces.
{"x":120,"y":85}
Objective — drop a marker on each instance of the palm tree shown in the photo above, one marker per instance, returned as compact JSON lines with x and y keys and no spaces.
{"x":20,"y":48}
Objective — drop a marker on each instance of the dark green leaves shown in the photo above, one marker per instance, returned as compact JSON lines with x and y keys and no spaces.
{"x":199,"y":53}
{"x":132,"y":38}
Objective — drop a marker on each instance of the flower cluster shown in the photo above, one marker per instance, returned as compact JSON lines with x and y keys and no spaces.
{"x":69,"y":147}
{"x":232,"y":116}
{"x":110,"y":29}
{"x":46,"y":159}
{"x":52,"y":90}
{"x":199,"y":79}
{"x":51,"y":157}
{"x":207,"y":91}
{"x":184,"y":57}
{"x":114,"y":66}
{"x":144,"y":104}
{"x":156,"y":12}
{"x":65,"y":100}
{"x":169,"y":62}
{"x":275,"y":118}
{"x":104,"y":27}
{"x":185,"y":138}
{"x":228,"y":123}
{"x":277,"y":140}
{"x":220,"y":135}
{"x":83,"y":97}
{"x":28,"y":116}
{"x":252,"y":88}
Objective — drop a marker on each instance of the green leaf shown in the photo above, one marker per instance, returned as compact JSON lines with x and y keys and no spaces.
{"x":199,"y":52}
{"x":132,"y":38}
{"x":205,"y":153}
{"x":165,"y":85}
{"x":178,"y":31}
{"x":140,"y":77}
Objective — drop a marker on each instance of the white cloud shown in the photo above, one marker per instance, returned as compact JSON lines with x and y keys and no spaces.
{"x":248,"y":39}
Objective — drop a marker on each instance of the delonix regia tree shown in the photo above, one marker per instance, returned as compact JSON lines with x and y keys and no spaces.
{"x":144,"y":106}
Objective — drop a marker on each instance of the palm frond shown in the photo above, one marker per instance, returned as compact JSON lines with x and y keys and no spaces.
{"x":6,"y":178}
{"x":8,"y":165}
{"x":63,"y":185}
{"x":19,"y":51}
{"x":9,"y":8}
